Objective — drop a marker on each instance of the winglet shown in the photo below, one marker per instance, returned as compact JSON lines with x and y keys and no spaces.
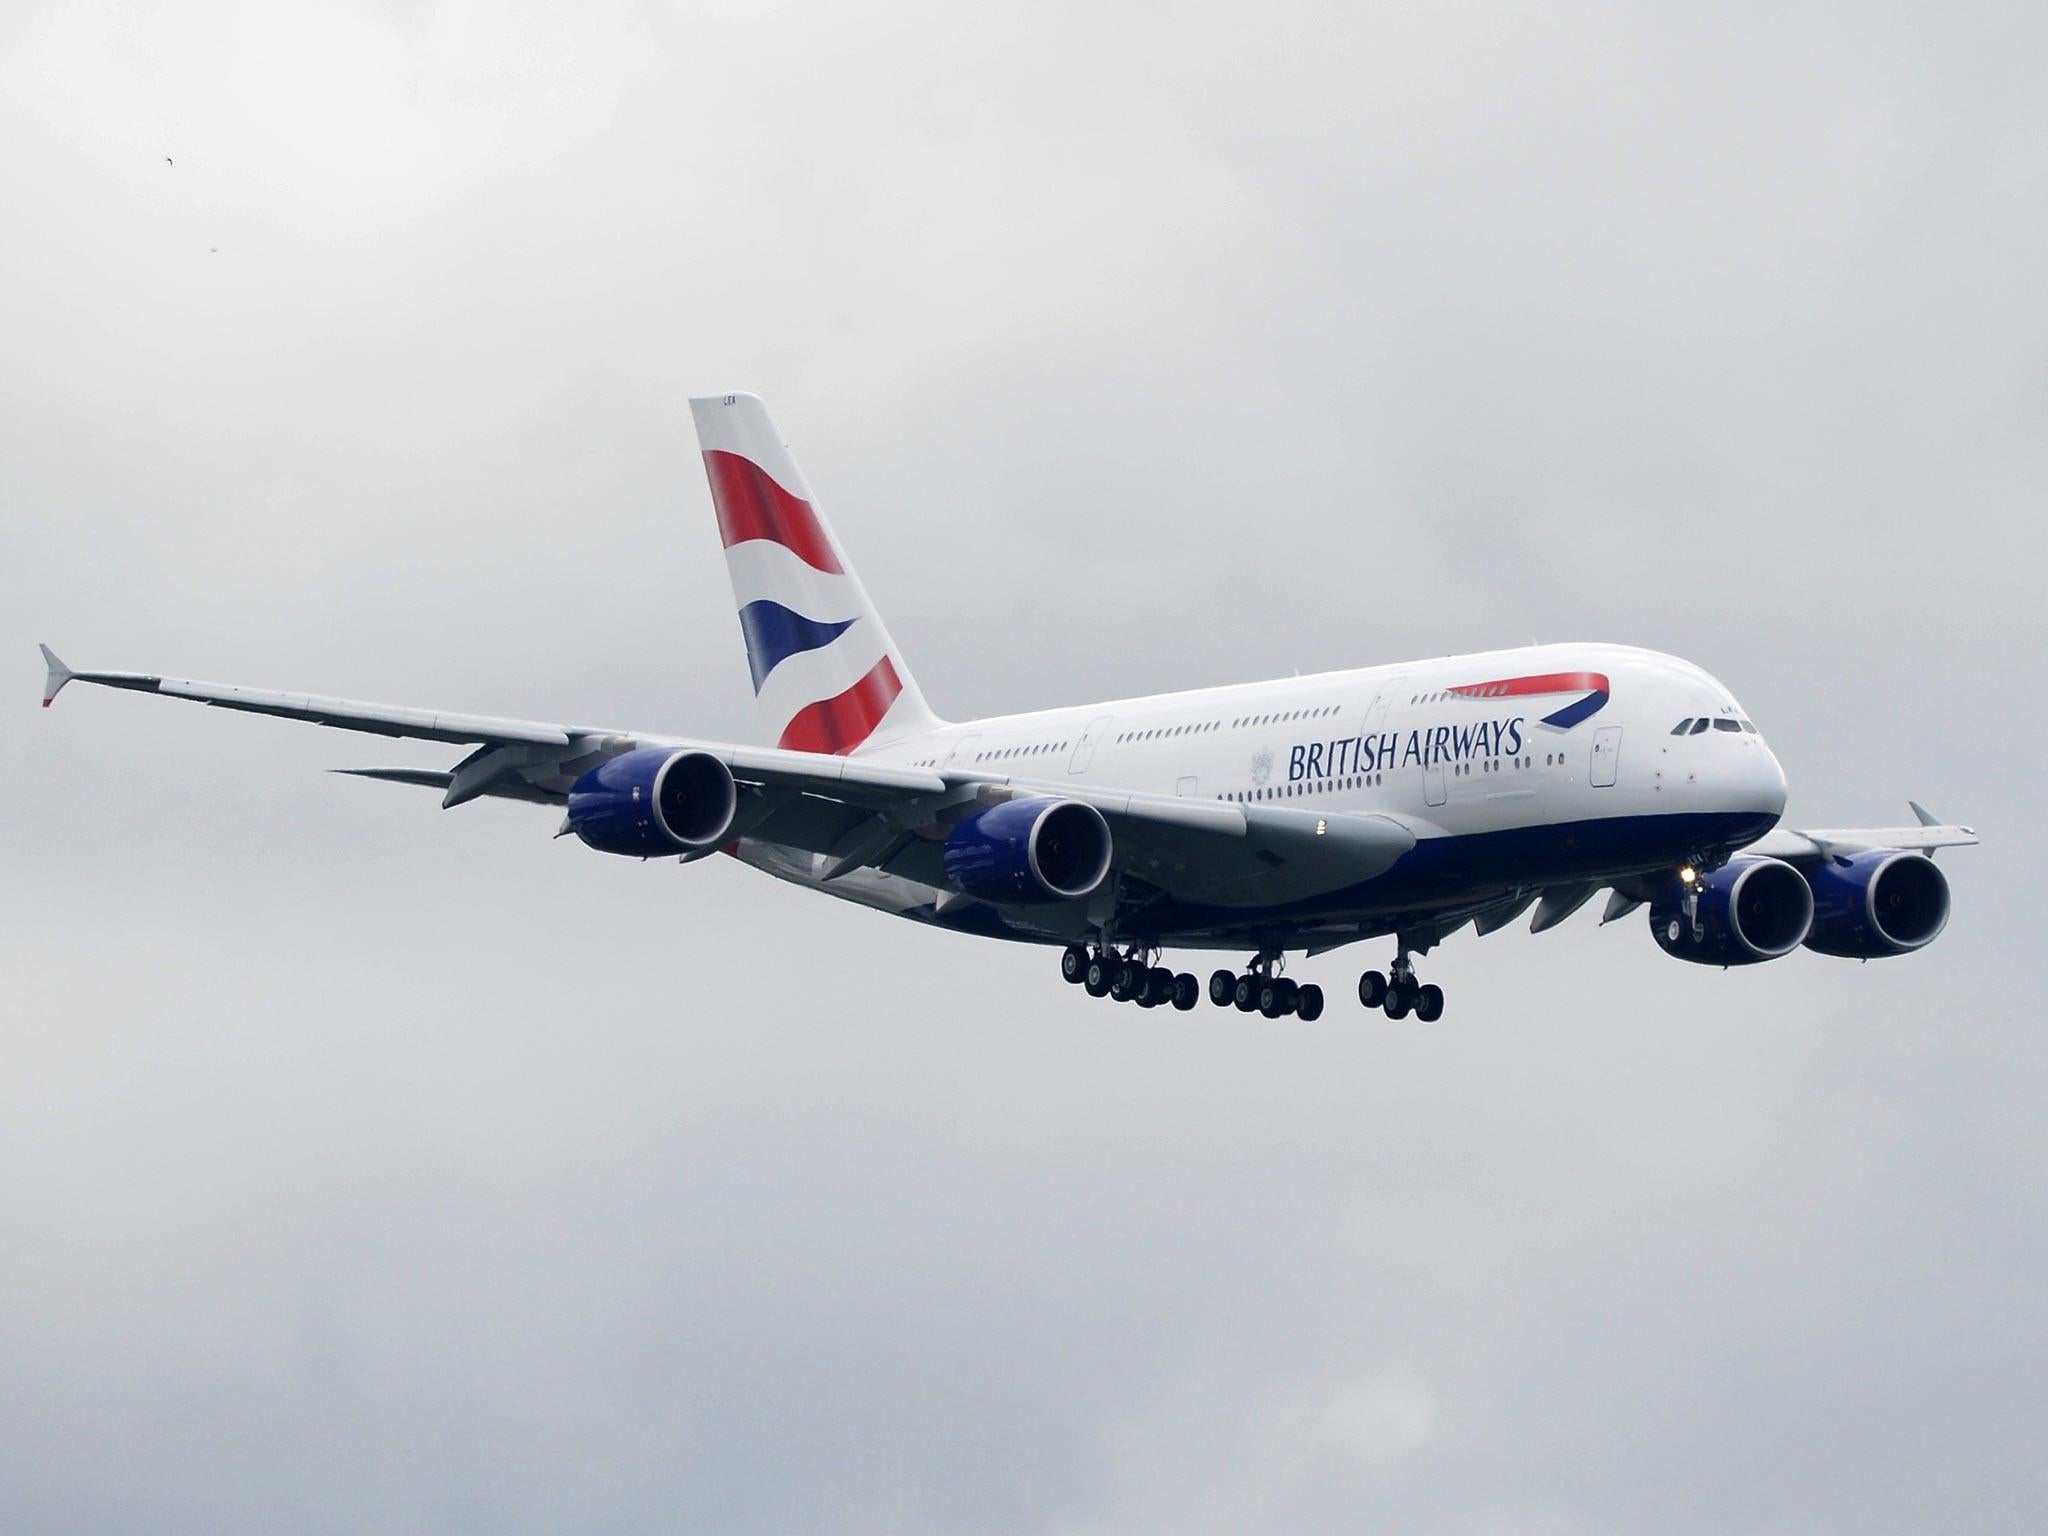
{"x":59,"y":675}
{"x":1926,"y":817}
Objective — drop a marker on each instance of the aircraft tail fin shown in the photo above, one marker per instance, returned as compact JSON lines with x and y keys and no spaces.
{"x":827,"y":676}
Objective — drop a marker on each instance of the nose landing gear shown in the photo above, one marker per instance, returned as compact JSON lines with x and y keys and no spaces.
{"x":1692,"y":878}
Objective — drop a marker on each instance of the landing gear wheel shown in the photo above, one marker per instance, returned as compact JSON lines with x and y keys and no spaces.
{"x":1098,"y":977}
{"x":1186,"y":991}
{"x":1244,"y":992}
{"x":1308,"y":1003}
{"x":1429,"y":1003}
{"x":1074,"y":963}
{"x":1399,"y":1000}
{"x":1223,"y":988}
{"x":1372,"y":989}
{"x":1274,"y":1002}
{"x":1163,"y":984}
{"x":1125,"y":981}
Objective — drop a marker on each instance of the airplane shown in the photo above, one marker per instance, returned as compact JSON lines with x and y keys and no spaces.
{"x":1266,"y":819}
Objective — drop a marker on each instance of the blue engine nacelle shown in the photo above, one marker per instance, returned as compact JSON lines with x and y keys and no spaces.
{"x":1884,"y":902}
{"x":1029,"y":850}
{"x":654,"y":802}
{"x":1750,"y":909}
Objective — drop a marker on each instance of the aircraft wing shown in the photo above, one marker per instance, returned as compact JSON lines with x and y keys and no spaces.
{"x":1928,"y":833}
{"x":516,"y":759}
{"x":856,"y":812}
{"x":348,"y":714}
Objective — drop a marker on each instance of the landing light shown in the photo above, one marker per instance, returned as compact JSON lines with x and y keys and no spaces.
{"x":1688,"y":874}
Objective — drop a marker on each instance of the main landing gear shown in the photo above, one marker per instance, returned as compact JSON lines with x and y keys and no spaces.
{"x":1263,"y":990}
{"x":1400,"y":994}
{"x":1131,"y":977}
{"x":1128,"y":978}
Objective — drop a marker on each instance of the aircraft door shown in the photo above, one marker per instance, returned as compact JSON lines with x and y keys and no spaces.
{"x":962,"y":755}
{"x":1185,"y":788}
{"x":1606,"y":757}
{"x":1084,"y":749}
{"x":1382,"y":705}
{"x":1433,"y":783}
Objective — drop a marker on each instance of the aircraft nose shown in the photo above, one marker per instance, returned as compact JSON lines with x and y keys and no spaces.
{"x":1767,"y":777}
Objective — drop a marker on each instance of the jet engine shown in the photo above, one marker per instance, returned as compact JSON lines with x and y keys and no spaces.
{"x":1029,"y":850}
{"x":1884,"y":902}
{"x":654,"y":802}
{"x":1750,"y":909}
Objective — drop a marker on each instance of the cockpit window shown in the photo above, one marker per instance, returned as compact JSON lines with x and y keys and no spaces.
{"x":1700,"y":725}
{"x":1682,"y":727}
{"x":1749,"y":728}
{"x":1725,"y":724}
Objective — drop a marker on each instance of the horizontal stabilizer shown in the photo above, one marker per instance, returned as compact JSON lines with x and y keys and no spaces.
{"x":427,"y":778}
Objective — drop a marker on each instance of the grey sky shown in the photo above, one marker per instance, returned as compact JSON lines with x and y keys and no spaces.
{"x":365,"y":1167}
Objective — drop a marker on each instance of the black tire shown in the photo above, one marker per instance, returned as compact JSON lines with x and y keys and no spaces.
{"x":1187,"y":991}
{"x":1099,"y":975}
{"x":1245,"y":993}
{"x":1223,"y":988}
{"x":1308,"y":1003}
{"x":1162,"y":983}
{"x":1372,"y":989}
{"x":1273,"y":999}
{"x":1124,"y":981}
{"x":1074,"y":963}
{"x":1398,"y":1002}
{"x":1429,"y":1003}
{"x":1290,"y":994}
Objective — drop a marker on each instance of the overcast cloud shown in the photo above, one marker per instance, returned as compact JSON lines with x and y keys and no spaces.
{"x":364,"y":1167}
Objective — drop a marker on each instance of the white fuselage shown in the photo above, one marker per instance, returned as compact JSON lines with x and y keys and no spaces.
{"x":1521,"y":801}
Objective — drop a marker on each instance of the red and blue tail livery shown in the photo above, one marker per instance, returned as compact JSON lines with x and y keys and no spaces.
{"x":827,"y":677}
{"x":1268,"y":822}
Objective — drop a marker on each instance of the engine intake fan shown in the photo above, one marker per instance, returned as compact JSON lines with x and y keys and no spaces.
{"x":654,"y":802}
{"x":1750,"y":909}
{"x":1035,"y":849}
{"x":1870,"y":905}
